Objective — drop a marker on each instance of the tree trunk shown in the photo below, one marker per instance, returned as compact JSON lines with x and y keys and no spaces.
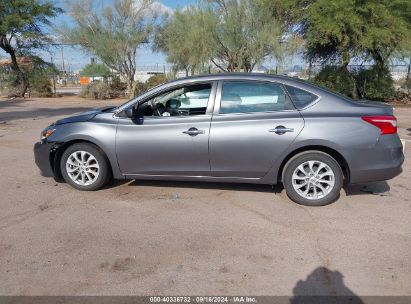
{"x":131,"y":88}
{"x":345,"y":62}
{"x":5,"y":45}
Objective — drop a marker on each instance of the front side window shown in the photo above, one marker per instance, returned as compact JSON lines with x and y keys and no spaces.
{"x":184,"y":101}
{"x":249,"y":97}
{"x":300,"y":98}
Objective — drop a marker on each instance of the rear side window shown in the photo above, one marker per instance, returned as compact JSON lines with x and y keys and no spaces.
{"x":249,"y":97}
{"x":300,"y":97}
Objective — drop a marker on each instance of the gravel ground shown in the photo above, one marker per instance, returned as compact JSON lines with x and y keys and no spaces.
{"x":186,"y":238}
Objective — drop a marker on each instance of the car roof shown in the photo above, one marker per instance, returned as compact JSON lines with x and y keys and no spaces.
{"x":286,"y":80}
{"x":249,"y":76}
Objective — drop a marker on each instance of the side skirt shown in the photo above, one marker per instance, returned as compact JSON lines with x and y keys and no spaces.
{"x":199,"y":178}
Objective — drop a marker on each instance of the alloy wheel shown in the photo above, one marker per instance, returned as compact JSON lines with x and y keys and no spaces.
{"x":82,"y":168}
{"x":313,"y":180}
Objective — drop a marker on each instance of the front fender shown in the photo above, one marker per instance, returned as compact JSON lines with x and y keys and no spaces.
{"x":103,"y":135}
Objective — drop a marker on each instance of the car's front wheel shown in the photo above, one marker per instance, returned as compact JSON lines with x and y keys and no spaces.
{"x":313,"y":179}
{"x":85,"y":167}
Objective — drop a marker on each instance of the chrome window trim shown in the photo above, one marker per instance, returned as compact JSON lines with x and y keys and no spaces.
{"x":217,"y":105}
{"x":210,"y":102}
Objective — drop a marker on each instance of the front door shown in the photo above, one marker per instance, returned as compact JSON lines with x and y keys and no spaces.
{"x":253,"y":124}
{"x":173,"y":137}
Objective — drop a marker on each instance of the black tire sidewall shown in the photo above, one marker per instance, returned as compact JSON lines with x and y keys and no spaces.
{"x":102,"y":162}
{"x":307,"y":156}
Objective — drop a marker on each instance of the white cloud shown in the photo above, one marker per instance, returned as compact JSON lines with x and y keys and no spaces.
{"x":161,"y":9}
{"x":156,"y":8}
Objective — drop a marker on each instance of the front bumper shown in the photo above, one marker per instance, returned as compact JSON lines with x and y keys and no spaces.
{"x":42,"y":157}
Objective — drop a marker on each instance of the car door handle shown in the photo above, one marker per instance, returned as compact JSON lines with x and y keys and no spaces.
{"x":281,"y":130}
{"x":193,"y":132}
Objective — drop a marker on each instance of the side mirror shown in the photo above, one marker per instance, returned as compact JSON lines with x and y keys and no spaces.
{"x":136,"y":113}
{"x":130,"y":112}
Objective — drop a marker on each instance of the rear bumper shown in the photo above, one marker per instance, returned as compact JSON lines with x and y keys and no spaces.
{"x":375,"y":175}
{"x":383,"y":162}
{"x":42,"y":152}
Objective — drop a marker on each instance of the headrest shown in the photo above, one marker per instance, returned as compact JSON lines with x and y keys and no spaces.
{"x":173,"y":103}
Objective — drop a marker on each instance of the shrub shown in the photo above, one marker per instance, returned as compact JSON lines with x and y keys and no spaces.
{"x":335,"y":79}
{"x":96,"y":90}
{"x":375,"y":83}
{"x":40,"y":86}
{"x":155,"y":80}
{"x":9,"y":83}
{"x":140,"y":88}
{"x":152,"y":82}
{"x":407,"y":84}
{"x":117,"y":87}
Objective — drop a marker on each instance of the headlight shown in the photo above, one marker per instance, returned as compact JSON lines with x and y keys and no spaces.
{"x":46,"y":133}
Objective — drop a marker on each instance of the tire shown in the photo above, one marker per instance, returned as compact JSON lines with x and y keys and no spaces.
{"x":86,"y":160}
{"x":324,"y":181}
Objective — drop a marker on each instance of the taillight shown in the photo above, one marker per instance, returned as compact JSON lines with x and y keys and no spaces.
{"x":386,"y":123}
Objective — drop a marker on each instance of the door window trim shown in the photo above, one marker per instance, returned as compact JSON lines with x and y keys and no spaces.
{"x":210,"y":102}
{"x":217,"y":102}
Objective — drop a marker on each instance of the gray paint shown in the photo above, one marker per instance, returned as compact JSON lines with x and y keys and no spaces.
{"x":237,"y":147}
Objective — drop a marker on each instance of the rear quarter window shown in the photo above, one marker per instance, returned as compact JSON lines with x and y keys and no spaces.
{"x":300,"y":98}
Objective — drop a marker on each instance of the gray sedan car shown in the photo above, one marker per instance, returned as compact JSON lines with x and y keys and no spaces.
{"x":243,"y":128}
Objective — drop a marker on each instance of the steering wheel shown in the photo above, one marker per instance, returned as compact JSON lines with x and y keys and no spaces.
{"x":158,"y":108}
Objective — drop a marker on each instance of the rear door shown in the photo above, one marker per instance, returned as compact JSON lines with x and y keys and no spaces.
{"x":253,"y":124}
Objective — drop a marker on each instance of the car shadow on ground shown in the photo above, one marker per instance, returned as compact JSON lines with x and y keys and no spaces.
{"x":375,"y":188}
{"x":40,"y":112}
{"x":13,"y":103}
{"x":199,"y":185}
{"x":409,"y":130}
{"x":323,"y":286}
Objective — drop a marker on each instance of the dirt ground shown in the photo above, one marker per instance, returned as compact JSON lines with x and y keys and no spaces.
{"x":186,"y":238}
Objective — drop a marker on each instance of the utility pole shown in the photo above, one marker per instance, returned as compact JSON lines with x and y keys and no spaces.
{"x":54,"y":79}
{"x":63,"y":69}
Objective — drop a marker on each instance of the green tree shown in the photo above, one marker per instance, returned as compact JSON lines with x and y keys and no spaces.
{"x":339,"y":31}
{"x":21,"y":30}
{"x":113,"y":35}
{"x":95,"y":70}
{"x":235,"y":35}
{"x":185,"y":48}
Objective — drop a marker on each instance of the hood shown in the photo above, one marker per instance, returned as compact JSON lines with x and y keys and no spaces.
{"x":82,"y":117}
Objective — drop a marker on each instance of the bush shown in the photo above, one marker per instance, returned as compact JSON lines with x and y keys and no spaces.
{"x":152,"y":82}
{"x":9,"y":83}
{"x":375,"y":83}
{"x":96,"y":90}
{"x":335,"y":79}
{"x":117,"y":87}
{"x":40,"y":86}
{"x":140,"y":88}
{"x":407,"y":84}
{"x":155,"y":80}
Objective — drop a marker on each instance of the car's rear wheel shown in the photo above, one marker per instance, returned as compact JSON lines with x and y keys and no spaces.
{"x":313,"y":179}
{"x":85,"y":167}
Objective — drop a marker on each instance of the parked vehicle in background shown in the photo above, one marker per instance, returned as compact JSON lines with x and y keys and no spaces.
{"x":246,"y":128}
